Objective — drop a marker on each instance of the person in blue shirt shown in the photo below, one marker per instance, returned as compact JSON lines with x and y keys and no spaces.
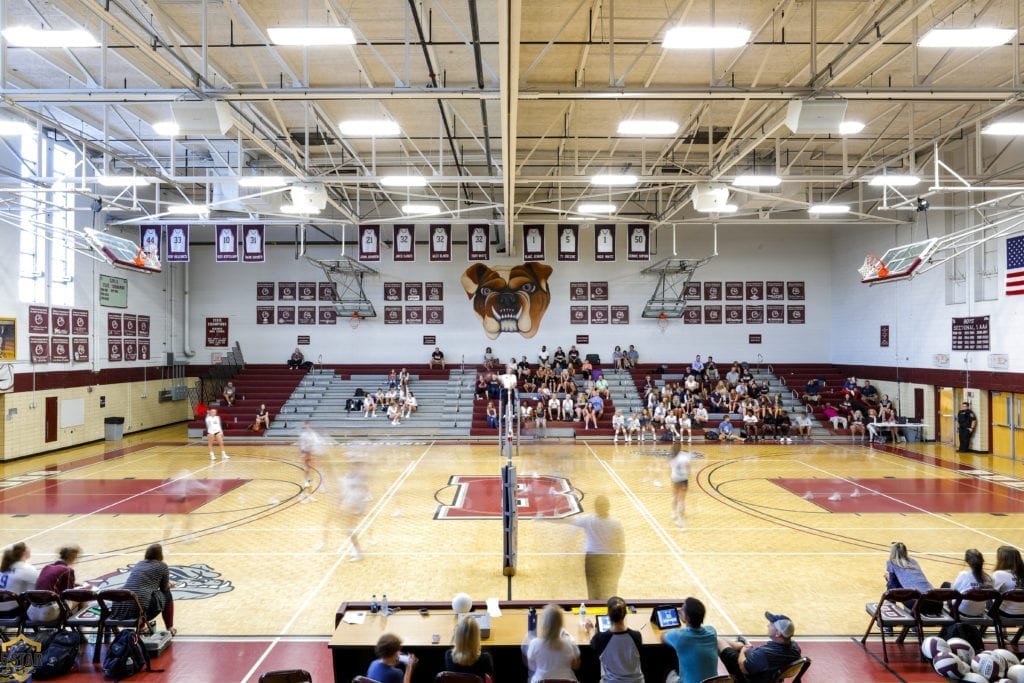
{"x":726,"y":430}
{"x":696,"y":645}
{"x":386,"y":668}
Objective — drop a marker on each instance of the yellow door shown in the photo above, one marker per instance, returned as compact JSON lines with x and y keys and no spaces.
{"x":1017,"y":420}
{"x":1002,"y":423}
{"x":945,"y":431}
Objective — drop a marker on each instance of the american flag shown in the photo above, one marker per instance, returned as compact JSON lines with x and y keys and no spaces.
{"x":1015,"y":265}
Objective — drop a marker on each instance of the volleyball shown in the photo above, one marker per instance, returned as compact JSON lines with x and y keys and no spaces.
{"x":462,"y":603}
{"x":933,"y":645}
{"x":950,"y":666}
{"x":961,"y":648}
{"x":1007,"y":656}
{"x":1016,"y":673}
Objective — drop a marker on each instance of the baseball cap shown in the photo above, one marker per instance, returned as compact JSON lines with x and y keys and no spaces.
{"x":782,"y":624}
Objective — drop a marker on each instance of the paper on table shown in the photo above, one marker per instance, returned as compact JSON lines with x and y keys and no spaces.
{"x":354,"y":617}
{"x":492,"y":607}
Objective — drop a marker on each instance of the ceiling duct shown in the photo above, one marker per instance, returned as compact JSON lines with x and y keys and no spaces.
{"x":202,"y":118}
{"x":815,"y":116}
{"x":309,"y":196}
{"x":710,"y":197}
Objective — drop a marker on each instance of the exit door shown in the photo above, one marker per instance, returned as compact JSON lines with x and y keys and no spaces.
{"x":1007,"y":426}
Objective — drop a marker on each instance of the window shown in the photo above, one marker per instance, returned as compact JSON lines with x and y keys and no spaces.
{"x":986,"y":269}
{"x":32,"y":244}
{"x":62,"y":218}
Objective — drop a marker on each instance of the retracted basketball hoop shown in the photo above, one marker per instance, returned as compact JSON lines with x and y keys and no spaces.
{"x":874,"y":268}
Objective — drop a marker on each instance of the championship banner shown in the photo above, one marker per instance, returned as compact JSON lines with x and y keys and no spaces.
{"x":142,"y":325}
{"x":755,"y":291}
{"x":143,"y":347}
{"x":177,"y":244}
{"x":328,"y":316}
{"x":775,"y":290}
{"x":264,"y":291}
{"x":39,"y":349}
{"x":440,"y":243}
{"x":620,"y":315}
{"x":533,"y":242}
{"x":60,"y":321}
{"x":326,"y":291}
{"x":114,"y":350}
{"x":149,"y":239}
{"x":113,"y":324}
{"x":692,"y":315}
{"x":413,"y":315}
{"x":392,"y":315}
{"x":307,"y":291}
{"x":38,"y":320}
{"x":712,"y":291}
{"x":433,"y":291}
{"x":286,"y":291}
{"x":479,"y":242}
{"x":734,"y":314}
{"x":795,"y":290}
{"x":598,"y":315}
{"x":369,"y":243}
{"x":60,"y":350}
{"x":755,"y":315}
{"x":734,"y":291}
{"x":254,"y":250}
{"x":227,"y":244}
{"x":604,"y":242}
{"x":795,"y":315}
{"x":639,"y":243}
{"x":414,"y":291}
{"x":568,"y":243}
{"x":776,"y":314}
{"x":130,"y":350}
{"x":80,"y":346}
{"x":712,"y":315}
{"x":307,"y":315}
{"x":404,"y":248}
{"x":435,"y":315}
{"x":285,"y":315}
{"x":264,"y":315}
{"x":128,"y":325}
{"x":79,"y":321}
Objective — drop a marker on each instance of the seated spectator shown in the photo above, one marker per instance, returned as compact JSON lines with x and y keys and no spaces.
{"x":711,"y":370}
{"x":685,"y":425}
{"x":696,"y":645}
{"x":804,"y":424}
{"x":493,"y":386}
{"x":150,"y":580}
{"x":392,"y":379}
{"x":386,"y":668}
{"x":559,"y":360}
{"x":522,"y":366}
{"x":618,"y":358}
{"x":540,"y":414}
{"x":16,"y":575}
{"x":490,"y":362}
{"x":528,"y":381}
{"x":298,"y":361}
{"x":598,"y":403}
{"x":573,"y":406}
{"x":632,"y":357}
{"x":973,"y":577}
{"x":554,"y":408}
{"x":587,"y":368}
{"x":573,"y":356}
{"x":697,"y":367}
{"x":671,"y":424}
{"x":526,"y":412}
{"x":618,"y":648}
{"x":589,"y":416}
{"x":394,"y":413}
{"x":869,"y":393}
{"x":403,"y":379}
{"x":857,"y":425}
{"x":601,"y":387}
{"x":811,"y":392}
{"x":726,"y":430}
{"x":1009,"y":574}
{"x":370,"y":405}
{"x":733,"y":376}
{"x":544,"y":358}
{"x":466,"y":655}
{"x":410,"y":406}
{"x":745,"y":375}
{"x":700,"y":415}
{"x":783,"y":426}
{"x":229,"y":393}
{"x":751,"y":424}
{"x":57,"y":576}
{"x":492,"y":415}
{"x":647,"y":426}
{"x":837,"y":420}
{"x":262,"y":418}
{"x":437,"y":358}
{"x":757,"y":664}
{"x":632,"y":427}
{"x":481,"y":388}
{"x":619,"y":426}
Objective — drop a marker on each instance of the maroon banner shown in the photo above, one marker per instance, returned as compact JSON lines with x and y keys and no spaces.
{"x":369,"y":243}
{"x":143,"y":346}
{"x":433,"y":291}
{"x":755,"y":291}
{"x":60,"y":321}
{"x":392,"y":315}
{"x":413,"y":315}
{"x":414,"y":291}
{"x":692,"y":315}
{"x":639,"y":248}
{"x":177,"y":244}
{"x":149,"y":239}
{"x":265,"y":291}
{"x":795,"y":315}
{"x":285,"y":315}
{"x":130,"y":350}
{"x":264,"y":315}
{"x":307,"y":315}
{"x":734,"y":291}
{"x":533,"y":242}
{"x":479,"y":242}
{"x":328,"y":316}
{"x":80,"y":347}
{"x":795,"y":291}
{"x":79,"y":321}
{"x":776,"y":314}
{"x":435,"y":315}
{"x":599,"y":291}
{"x":604,"y":242}
{"x":227,"y":244}
{"x":142,"y":325}
{"x":392,"y":291}
{"x":128,"y":325}
{"x":568,"y":243}
{"x":326,"y":291}
{"x":440,"y":243}
{"x":883,"y":336}
{"x":579,"y":291}
{"x":598,"y":315}
{"x":60,"y":350}
{"x":38,"y":320}
{"x":775,"y":290}
{"x":753,"y":339}
{"x":713,"y":315}
{"x":620,"y":315}
{"x":113,"y":324}
{"x":712,"y":291}
{"x":307,"y":291}
{"x":114,"y":350}
{"x":755,"y":315}
{"x":39,"y":349}
{"x":286,"y":291}
{"x":217,"y":332}
{"x":691,"y":291}
{"x":578,"y":315}
{"x":253,"y":239}
{"x":734,"y":314}
{"x":404,"y":245}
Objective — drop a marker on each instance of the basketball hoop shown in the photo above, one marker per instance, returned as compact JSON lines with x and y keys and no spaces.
{"x":354,"y":320}
{"x":662,"y":322}
{"x":873,"y":268}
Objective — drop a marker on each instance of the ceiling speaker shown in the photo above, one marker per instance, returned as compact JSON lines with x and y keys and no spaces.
{"x":202,"y":118}
{"x":309,"y":196}
{"x":815,"y":116}
{"x":708,"y":197}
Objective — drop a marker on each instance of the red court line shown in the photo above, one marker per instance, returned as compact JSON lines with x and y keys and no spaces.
{"x":906,"y":495}
{"x":113,"y":496}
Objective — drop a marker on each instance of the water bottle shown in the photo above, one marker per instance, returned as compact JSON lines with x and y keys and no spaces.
{"x":384,"y":609}
{"x":374,"y":605}
{"x":583,"y":616}
{"x":531,"y":622}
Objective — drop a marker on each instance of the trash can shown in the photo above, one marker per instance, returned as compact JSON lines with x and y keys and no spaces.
{"x":113,"y":428}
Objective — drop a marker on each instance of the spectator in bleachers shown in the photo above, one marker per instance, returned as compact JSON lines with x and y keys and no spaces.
{"x":410,"y":406}
{"x":647,"y":425}
{"x":869,"y":394}
{"x":658,"y":415}
{"x":298,"y":361}
{"x":601,"y":386}
{"x":229,"y":393}
{"x":540,"y":414}
{"x":589,"y":416}
{"x":632,"y":357}
{"x":619,"y":427}
{"x":714,"y":402}
{"x":262,"y":418}
{"x":559,"y":360}
{"x":751,"y":423}
{"x":586,"y":368}
{"x":370,"y":405}
{"x":573,"y":406}
{"x":598,"y":403}
{"x":804,"y":424}
{"x":490,"y":362}
{"x":812,"y":392}
{"x":392,"y":379}
{"x":492,"y":415}
{"x":711,"y":370}
{"x":394,"y":412}
{"x":544,"y":358}
{"x":528,"y":381}
{"x":833,"y":416}
{"x":522,"y":365}
{"x":700,"y":415}
{"x":733,"y":376}
{"x":727,"y":431}
{"x":632,"y":427}
{"x":745,"y":375}
{"x":573,"y":357}
{"x":685,"y":425}
{"x":783,"y":426}
{"x":857,"y":425}
{"x":697,"y":368}
{"x":670,"y":424}
{"x":887,"y":414}
{"x":618,"y":358}
{"x":493,"y":386}
{"x":481,"y":387}
{"x":554,"y":407}
{"x":437,"y":358}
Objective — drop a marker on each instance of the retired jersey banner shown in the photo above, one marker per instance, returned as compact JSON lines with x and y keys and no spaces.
{"x":227,"y":243}
{"x":604,"y":242}
{"x":639,"y":243}
{"x":479,"y":242}
{"x":177,"y":244}
{"x":149,"y":239}
{"x":568,"y":243}
{"x":404,"y":248}
{"x":440,"y":243}
{"x":533,"y":242}
{"x":253,"y":250}
{"x":369,"y":243}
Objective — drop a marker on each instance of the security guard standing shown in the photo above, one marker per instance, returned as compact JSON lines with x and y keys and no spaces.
{"x":966,"y":421}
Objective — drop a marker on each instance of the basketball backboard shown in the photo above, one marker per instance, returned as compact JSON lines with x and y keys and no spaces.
{"x":121,"y":252}
{"x":898,"y":262}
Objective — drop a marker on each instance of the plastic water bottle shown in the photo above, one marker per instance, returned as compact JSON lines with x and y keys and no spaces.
{"x":583,"y":616}
{"x":384,"y":609}
{"x":531,"y":623}
{"x":374,"y":605}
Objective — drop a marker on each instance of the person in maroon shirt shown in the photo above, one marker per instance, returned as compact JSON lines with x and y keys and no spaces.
{"x":56,"y":576}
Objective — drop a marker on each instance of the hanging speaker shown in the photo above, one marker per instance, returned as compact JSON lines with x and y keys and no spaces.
{"x":710,"y":197}
{"x":815,"y":116}
{"x":202,"y":118}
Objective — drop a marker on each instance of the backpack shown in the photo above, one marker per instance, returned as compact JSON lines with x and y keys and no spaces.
{"x":126,"y":656}
{"x":59,"y":656}
{"x":711,"y":435}
{"x":969,"y":632}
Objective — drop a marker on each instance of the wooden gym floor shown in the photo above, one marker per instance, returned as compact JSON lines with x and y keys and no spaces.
{"x":802,"y":529}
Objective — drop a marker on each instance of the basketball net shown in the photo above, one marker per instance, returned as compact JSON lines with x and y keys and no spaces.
{"x":873,"y":268}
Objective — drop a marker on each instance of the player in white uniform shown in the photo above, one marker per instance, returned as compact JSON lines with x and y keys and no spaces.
{"x":215,"y":433}
{"x":310,"y":444}
{"x":619,"y":425}
{"x":680,"y":464}
{"x":632,"y":427}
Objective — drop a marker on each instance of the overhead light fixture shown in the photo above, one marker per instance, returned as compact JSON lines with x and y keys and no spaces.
{"x":403,"y":181}
{"x":123,"y":180}
{"x":369,"y":128}
{"x":12,"y":127}
{"x":262,"y":181}
{"x":189,"y":209}
{"x":648,"y":128}
{"x":1004,"y":128}
{"x":166,"y":128}
{"x":704,"y":38}
{"x":614,"y":179}
{"x":850,"y":127}
{"x":827,"y":209}
{"x":591,"y":207}
{"x":722,"y":208}
{"x":27,"y":36}
{"x":427,"y":209}
{"x":300,"y":209}
{"x":583,"y":218}
{"x":757,"y":181}
{"x":894,"y":180}
{"x":306,"y":36}
{"x":967,"y":37}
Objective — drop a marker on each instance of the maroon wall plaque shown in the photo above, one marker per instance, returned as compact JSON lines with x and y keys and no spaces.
{"x":142,"y":325}
{"x":413,"y":315}
{"x":302,"y":340}
{"x":691,"y":291}
{"x":883,"y":336}
{"x":392,"y":291}
{"x":620,"y":315}
{"x":755,"y":291}
{"x":713,"y":315}
{"x":598,"y":315}
{"x":60,"y":320}
{"x":80,"y":347}
{"x":39,"y":349}
{"x":435,"y":315}
{"x":712,"y":291}
{"x":971,"y":334}
{"x":776,"y":314}
{"x":578,"y":291}
{"x":143,"y":346}
{"x":775,"y":290}
{"x":60,"y":350}
{"x":599,"y":291}
{"x":217,"y":332}
{"x":582,"y":338}
{"x":734,"y":314}
{"x":285,"y":315}
{"x":286,"y":291}
{"x":326,"y":291}
{"x":734,"y":291}
{"x":392,"y":315}
{"x":433,"y":291}
{"x":264,"y":291}
{"x":113,"y":324}
{"x":754,"y":339}
{"x":429,"y":340}
{"x":692,"y":315}
{"x":578,"y":315}
{"x":128,"y":325}
{"x":307,"y":315}
{"x":38,"y":320}
{"x":131,"y":350}
{"x":328,"y":316}
{"x":264,"y":315}
{"x":755,"y":315}
{"x":307,"y":291}
{"x":114,"y":350}
{"x":80,"y":321}
{"x":795,"y":291}
{"x":795,"y":315}
{"x":414,"y":291}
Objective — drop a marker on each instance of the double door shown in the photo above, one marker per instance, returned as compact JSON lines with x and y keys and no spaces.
{"x":1007,"y":424}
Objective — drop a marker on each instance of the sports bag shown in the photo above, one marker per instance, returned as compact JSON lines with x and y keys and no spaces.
{"x":59,"y":656}
{"x":126,"y":656}
{"x":711,"y":435}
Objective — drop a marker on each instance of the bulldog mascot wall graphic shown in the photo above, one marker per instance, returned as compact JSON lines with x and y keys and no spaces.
{"x":508,"y":298}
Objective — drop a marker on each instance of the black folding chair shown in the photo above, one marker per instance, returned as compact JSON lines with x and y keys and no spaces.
{"x":889,"y":613}
{"x":286,"y":676}
{"x":16,"y":619}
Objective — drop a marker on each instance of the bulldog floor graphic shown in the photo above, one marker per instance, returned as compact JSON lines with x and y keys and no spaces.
{"x":479,"y":497}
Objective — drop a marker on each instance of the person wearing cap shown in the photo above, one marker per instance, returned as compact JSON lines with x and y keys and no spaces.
{"x":966,"y":421}
{"x":761,"y":664}
{"x":618,"y":648}
{"x":695,"y":645}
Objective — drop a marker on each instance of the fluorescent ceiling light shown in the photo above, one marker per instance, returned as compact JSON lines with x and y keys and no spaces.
{"x":300,"y":209}
{"x":368,"y":128}
{"x":617,"y":179}
{"x":583,"y":218}
{"x":596,"y":208}
{"x":757,"y":181}
{"x":895,"y":180}
{"x":188,"y":208}
{"x":704,"y":38}
{"x":648,"y":128}
{"x":167,"y":128}
{"x":421,"y":209}
{"x":9,"y":127}
{"x":1004,"y":128}
{"x":723,"y":208}
{"x":123,"y":180}
{"x":26,"y":36}
{"x":829,"y":209}
{"x":311,"y":35}
{"x":966,"y":37}
{"x":850,"y":127}
{"x":403,"y":181}
{"x":262,"y":181}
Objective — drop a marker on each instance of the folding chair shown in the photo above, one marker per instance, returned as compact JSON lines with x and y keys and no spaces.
{"x":286,"y":676}
{"x":40,"y":598}
{"x":456,"y":677}
{"x":363,"y":679}
{"x":942,"y":596}
{"x":795,"y":670}
{"x":111,"y":619}
{"x":990,"y":596}
{"x":14,"y":621}
{"x":888,"y":613}
{"x":1003,"y":620}
{"x":86,"y":618}
{"x":721,"y":678}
